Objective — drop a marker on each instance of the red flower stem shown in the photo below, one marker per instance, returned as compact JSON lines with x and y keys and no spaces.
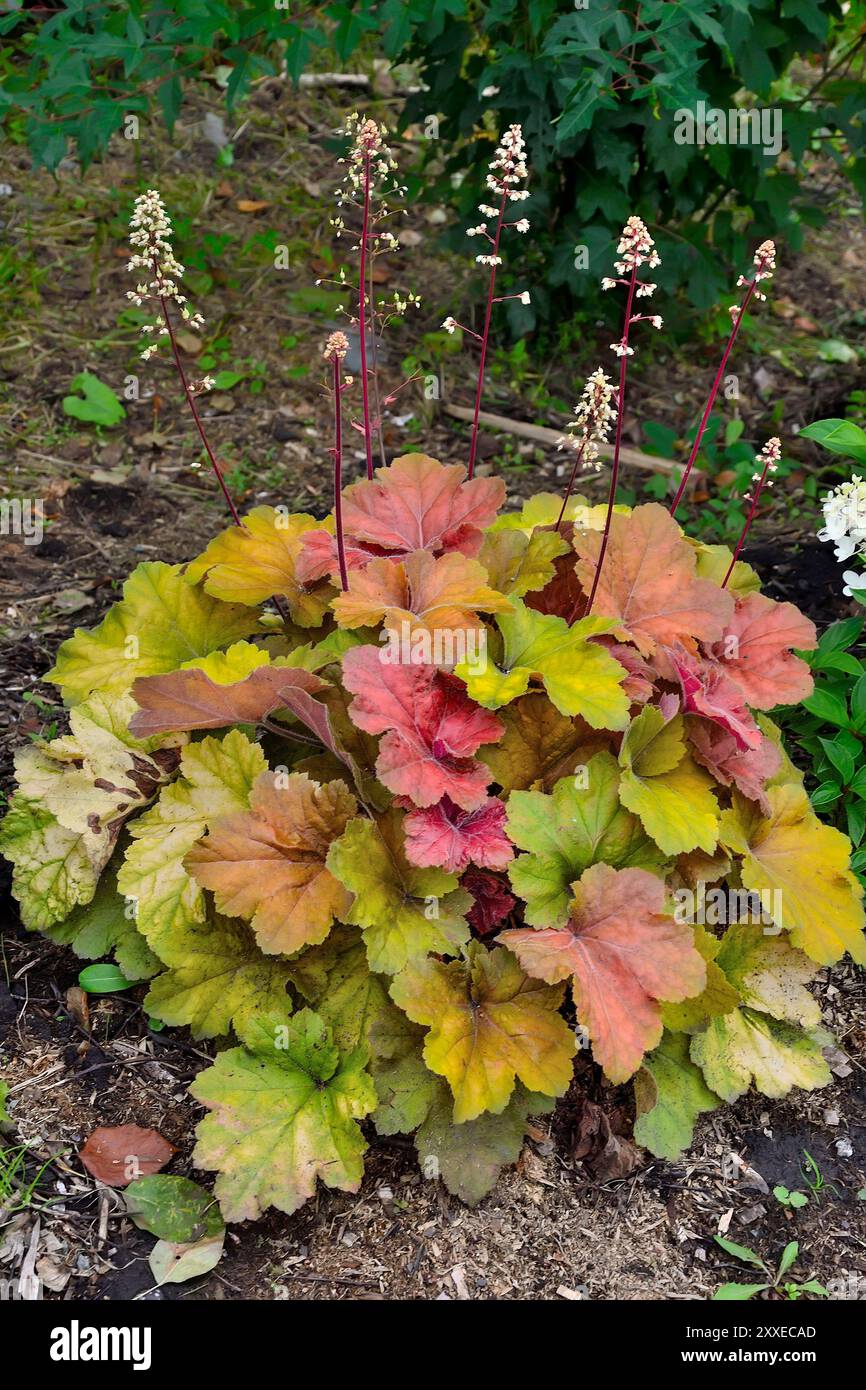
{"x":749,"y":519}
{"x":190,"y":400}
{"x":362,"y":316}
{"x":473,"y":447}
{"x":750,"y":290}
{"x":570,"y":483}
{"x":338,"y":474}
{"x":614,"y":471}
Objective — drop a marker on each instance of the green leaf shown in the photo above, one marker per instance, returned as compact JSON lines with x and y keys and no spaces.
{"x":161,"y":622}
{"x":740,"y":1252}
{"x":173,"y":1208}
{"x":789,"y":1255}
{"x":842,"y":760}
{"x":580,"y":677}
{"x":839,"y":436}
{"x":741,"y":1293}
{"x":102,"y":979}
{"x":828,"y":706}
{"x":580,"y":824}
{"x":404,"y":912}
{"x":97,"y":404}
{"x":664,"y":787}
{"x":670,"y":1094}
{"x":469,"y":1157}
{"x":284,"y":1109}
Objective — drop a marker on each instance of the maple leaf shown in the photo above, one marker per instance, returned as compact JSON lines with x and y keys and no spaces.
{"x":191,"y":700}
{"x":708,"y":692}
{"x":519,"y":564}
{"x":258,"y":560}
{"x":403,"y":911}
{"x":217,"y":776}
{"x":754,"y":651}
{"x":648,"y":581}
{"x":488,"y":1023}
{"x":670,"y":1094}
{"x":161,"y":621}
{"x":284,"y":1109}
{"x":268,"y":864}
{"x":624,"y":955}
{"x":580,"y":677}
{"x":320,"y":556}
{"x":469,"y":1157}
{"x":539,"y":745}
{"x":424,"y":591}
{"x":580,"y":824}
{"x":800,"y":867}
{"x":420,"y":504}
{"x":430,"y":729}
{"x":748,"y":770}
{"x":771,"y":1038}
{"x":450,"y":838}
{"x":217,"y":977}
{"x":664,"y":787}
{"x":493,"y":903}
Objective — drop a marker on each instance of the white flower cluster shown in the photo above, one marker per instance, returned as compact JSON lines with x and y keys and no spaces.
{"x":506,"y":169}
{"x":636,"y":248}
{"x":845,"y":525}
{"x":368,"y":145}
{"x":769,"y":458}
{"x":150,"y":238}
{"x":764,"y":261}
{"x":593,"y":417}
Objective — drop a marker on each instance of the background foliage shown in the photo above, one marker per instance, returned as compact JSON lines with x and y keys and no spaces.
{"x":595,"y":88}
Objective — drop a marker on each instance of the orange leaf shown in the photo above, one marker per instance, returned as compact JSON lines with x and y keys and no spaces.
{"x":648,"y":581}
{"x":624,"y":955}
{"x":755,"y":651}
{"x":420,"y":504}
{"x":268,"y":864}
{"x":119,"y":1154}
{"x":251,"y":205}
{"x":423,"y":591}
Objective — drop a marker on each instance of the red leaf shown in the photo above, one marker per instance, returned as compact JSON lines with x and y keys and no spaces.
{"x":493,"y":902}
{"x":747,"y":769}
{"x":419,"y":504}
{"x":624,"y":955}
{"x":754,"y":650}
{"x":430,"y":729}
{"x":319,"y":556}
{"x":119,"y":1154}
{"x":446,"y":837}
{"x":708,"y":691}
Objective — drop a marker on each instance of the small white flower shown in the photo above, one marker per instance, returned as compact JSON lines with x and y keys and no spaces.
{"x":608,"y":284}
{"x":524,"y":298}
{"x":522,"y":225}
{"x":449,"y":324}
{"x":490,"y":92}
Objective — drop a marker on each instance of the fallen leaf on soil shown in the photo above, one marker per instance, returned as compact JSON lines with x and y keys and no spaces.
{"x":118,"y":1154}
{"x":251,"y":205}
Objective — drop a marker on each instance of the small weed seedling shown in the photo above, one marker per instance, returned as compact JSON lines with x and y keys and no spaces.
{"x":773,"y":1282}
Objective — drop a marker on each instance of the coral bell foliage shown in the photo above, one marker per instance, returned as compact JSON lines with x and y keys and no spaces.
{"x":408,"y":814}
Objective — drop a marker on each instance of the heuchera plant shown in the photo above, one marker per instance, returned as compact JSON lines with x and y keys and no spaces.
{"x":415,"y":801}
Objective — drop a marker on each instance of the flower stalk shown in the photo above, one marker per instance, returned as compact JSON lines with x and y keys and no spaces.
{"x":636,"y":248}
{"x":591,"y":424}
{"x":335,"y":351}
{"x":769,"y":458}
{"x":765,"y":264}
{"x":505,"y":171}
{"x":150,"y":237}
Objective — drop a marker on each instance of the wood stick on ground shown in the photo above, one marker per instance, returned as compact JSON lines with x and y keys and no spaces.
{"x":636,"y":458}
